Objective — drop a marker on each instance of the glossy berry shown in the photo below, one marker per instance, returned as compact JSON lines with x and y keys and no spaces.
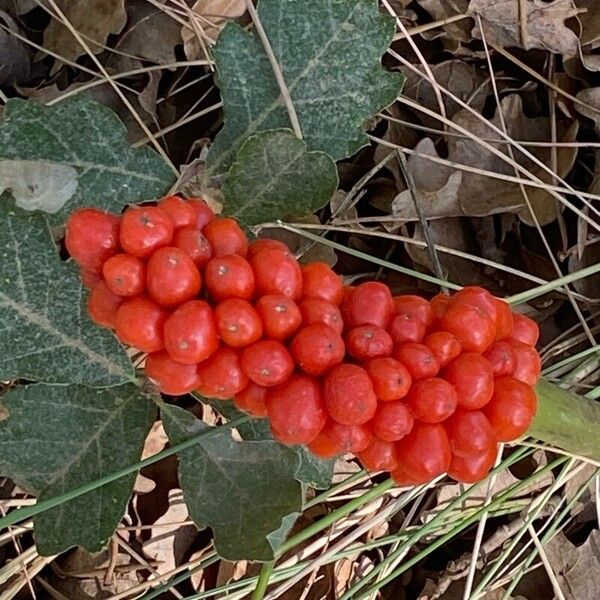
{"x":314,"y":310}
{"x":267,"y":363}
{"x":324,"y":446}
{"x":391,"y":379}
{"x":439,"y":304}
{"x":226,"y":237}
{"x":369,"y":341}
{"x":472,"y":376}
{"x":252,"y":400}
{"x":402,"y":478}
{"x":478,"y":297}
{"x":418,"y":359}
{"x":392,"y":421}
{"x":414,"y":306}
{"x":379,"y":456}
{"x":525,"y":330}
{"x":501,"y":356}
{"x":320,"y":281}
{"x":276,"y":272}
{"x":444,"y":345}
{"x":171,"y":378}
{"x":125,"y":275}
{"x":103,"y":305}
{"x":144,"y":230}
{"x":180,"y":212}
{"x":229,"y":276}
{"x":474,"y":468}
{"x":89,"y":278}
{"x":528,"y":364}
{"x":221,"y":375}
{"x":139,"y":323}
{"x":295,"y":410}
{"x":469,"y":432}
{"x":350,"y":438}
{"x":194,"y":243}
{"x":406,"y":328}
{"x":511,"y":409}
{"x":191,"y":333}
{"x":471,"y":325}
{"x":91,"y":237}
{"x":172,"y":278}
{"x":280,"y":316}
{"x":238,"y":322}
{"x":432,"y":400}
{"x":203,"y":214}
{"x":425,"y":452}
{"x":317,"y":348}
{"x":368,"y":304}
{"x":349,"y":395}
{"x":504,"y":320}
{"x":266,"y":244}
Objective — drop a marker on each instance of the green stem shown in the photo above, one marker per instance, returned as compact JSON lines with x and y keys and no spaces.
{"x":16,"y":516}
{"x":263,"y":580}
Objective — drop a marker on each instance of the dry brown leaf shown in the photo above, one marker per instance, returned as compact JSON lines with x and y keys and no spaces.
{"x":590,"y":22}
{"x":93,"y":20}
{"x":459,"y":31}
{"x":589,"y":286}
{"x":14,"y":58}
{"x":212,"y":16}
{"x":546,"y":29}
{"x":591,"y":97}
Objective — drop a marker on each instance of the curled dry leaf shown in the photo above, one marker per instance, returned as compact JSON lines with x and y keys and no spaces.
{"x":545,"y":30}
{"x":94,"y":21}
{"x":589,"y":286}
{"x":207,"y":19}
{"x":591,"y":109}
{"x":14,"y":58}
{"x":459,"y":31}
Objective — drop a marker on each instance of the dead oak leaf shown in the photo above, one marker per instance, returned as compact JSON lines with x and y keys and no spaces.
{"x":545,"y":30}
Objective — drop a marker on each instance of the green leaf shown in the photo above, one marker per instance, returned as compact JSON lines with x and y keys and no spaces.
{"x":45,"y":334}
{"x":329,"y":52}
{"x":275,"y":177}
{"x":88,"y":137}
{"x":242,"y":490}
{"x":314,"y":471}
{"x":56,"y":438}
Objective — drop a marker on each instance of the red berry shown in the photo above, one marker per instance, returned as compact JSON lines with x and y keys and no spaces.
{"x":139,"y":323}
{"x":103,"y":305}
{"x":472,"y":326}
{"x":369,"y":341}
{"x":351,"y":438}
{"x":144,"y":230}
{"x":406,"y":328}
{"x":418,"y":359}
{"x":178,"y":210}
{"x":267,"y":363}
{"x":501,"y":356}
{"x":471,"y":469}
{"x":478,"y":297}
{"x":125,"y":275}
{"x":266,"y":244}
{"x":315,"y":310}
{"x":229,"y":276}
{"x":415,"y":306}
{"x":277,"y":272}
{"x":172,"y":277}
{"x":469,"y":432}
{"x":511,"y":409}
{"x":432,"y":400}
{"x":320,"y":281}
{"x":402,"y":478}
{"x":368,"y":304}
{"x":280,"y":315}
{"x":379,"y":456}
{"x":171,"y":378}
{"x":92,"y":236}
{"x":392,"y":421}
{"x":391,"y":379}
{"x":238,"y":322}
{"x":439,"y":304}
{"x":191,"y":333}
{"x":221,"y":375}
{"x":525,"y":330}
{"x":295,"y":410}
{"x":317,"y":348}
{"x":444,"y":345}
{"x":203,"y":214}
{"x":324,"y":446}
{"x":473,"y":378}
{"x":528,"y":364}
{"x":425,"y":452}
{"x":504,"y":320}
{"x":89,"y":278}
{"x":349,"y":395}
{"x":226,"y":237}
{"x":252,"y":400}
{"x":194,"y":243}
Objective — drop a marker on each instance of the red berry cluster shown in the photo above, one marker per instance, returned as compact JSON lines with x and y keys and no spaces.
{"x":414,"y":387}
